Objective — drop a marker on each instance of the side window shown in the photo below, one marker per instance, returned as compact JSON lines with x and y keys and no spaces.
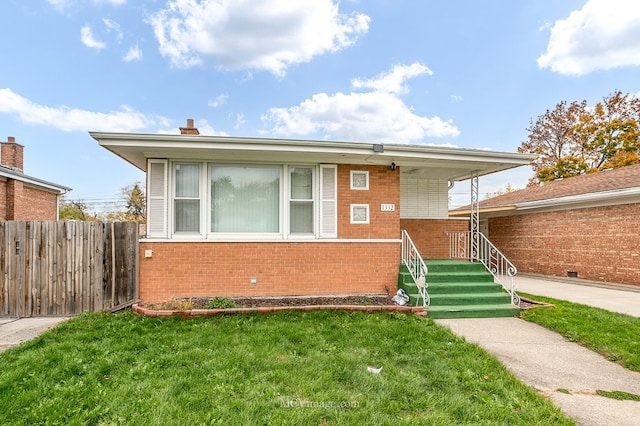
{"x":301,"y":200}
{"x":186,"y":199}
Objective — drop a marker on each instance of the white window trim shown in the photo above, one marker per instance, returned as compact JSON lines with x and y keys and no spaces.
{"x":208,"y":234}
{"x":286,"y":231}
{"x":284,"y":213}
{"x":171,"y":202}
{"x":328,"y":201}
{"x":157,"y":224}
{"x":355,"y":173}
{"x":355,"y":207}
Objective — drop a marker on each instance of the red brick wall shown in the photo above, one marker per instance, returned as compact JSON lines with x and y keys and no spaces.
{"x":429,"y":235}
{"x":12,"y":154}
{"x":38,"y":205}
{"x":289,"y":268}
{"x":384,"y":188}
{"x":14,"y":199}
{"x":3,"y":200}
{"x":601,"y":243}
{"x":22,"y":202}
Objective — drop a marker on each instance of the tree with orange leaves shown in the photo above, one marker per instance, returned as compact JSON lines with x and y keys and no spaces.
{"x":575,"y":139}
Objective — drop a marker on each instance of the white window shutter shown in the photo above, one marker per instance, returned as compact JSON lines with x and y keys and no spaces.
{"x":328,"y":201}
{"x":157,"y":198}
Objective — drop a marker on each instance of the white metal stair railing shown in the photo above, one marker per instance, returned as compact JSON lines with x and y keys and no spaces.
{"x":494,"y":261}
{"x":416,"y":266}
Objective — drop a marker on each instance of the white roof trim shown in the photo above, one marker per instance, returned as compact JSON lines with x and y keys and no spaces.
{"x":590,"y":198}
{"x":34,"y":181}
{"x":458,"y":162}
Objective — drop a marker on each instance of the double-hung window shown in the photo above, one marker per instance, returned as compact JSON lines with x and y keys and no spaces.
{"x":301,"y":200}
{"x":186,"y":198}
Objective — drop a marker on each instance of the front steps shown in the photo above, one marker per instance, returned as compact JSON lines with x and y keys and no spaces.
{"x":459,"y":289}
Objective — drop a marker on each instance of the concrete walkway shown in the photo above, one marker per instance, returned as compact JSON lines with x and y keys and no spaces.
{"x":14,"y":331}
{"x":619,"y":298}
{"x":545,"y":361}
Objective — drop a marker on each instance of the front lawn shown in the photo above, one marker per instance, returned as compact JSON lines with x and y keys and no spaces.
{"x":610,"y":334}
{"x":303,"y":368}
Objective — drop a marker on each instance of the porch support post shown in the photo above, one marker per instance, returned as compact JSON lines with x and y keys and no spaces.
{"x":475,"y":221}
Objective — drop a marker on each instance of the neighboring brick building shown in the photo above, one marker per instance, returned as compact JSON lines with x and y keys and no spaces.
{"x":24,"y":197}
{"x":233,"y":216}
{"x":584,"y":226}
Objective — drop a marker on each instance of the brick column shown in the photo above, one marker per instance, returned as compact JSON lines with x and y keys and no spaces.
{"x":15,"y":199}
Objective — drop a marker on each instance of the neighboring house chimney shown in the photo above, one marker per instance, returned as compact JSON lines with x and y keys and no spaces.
{"x":189,"y":130}
{"x":12,"y":154}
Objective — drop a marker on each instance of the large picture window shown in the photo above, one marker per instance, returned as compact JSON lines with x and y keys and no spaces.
{"x":186,"y":197}
{"x":190,"y":199}
{"x":245,"y":199}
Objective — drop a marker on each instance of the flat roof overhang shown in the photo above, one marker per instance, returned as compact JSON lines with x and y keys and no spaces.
{"x":433,"y":162}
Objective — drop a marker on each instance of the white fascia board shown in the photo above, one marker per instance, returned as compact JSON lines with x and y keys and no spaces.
{"x":136,"y":148}
{"x":266,"y":144}
{"x":594,"y":198}
{"x":35,"y":182}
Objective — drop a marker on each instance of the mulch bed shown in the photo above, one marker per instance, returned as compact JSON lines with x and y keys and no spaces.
{"x":198,"y":306}
{"x":254,"y":302}
{"x":190,"y":307}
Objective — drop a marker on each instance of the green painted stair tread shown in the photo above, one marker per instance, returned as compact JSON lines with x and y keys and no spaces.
{"x":459,"y":276}
{"x":470,"y":298}
{"x":459,"y":289}
{"x":454,"y":267}
{"x":472,"y":311}
{"x":464,"y":287}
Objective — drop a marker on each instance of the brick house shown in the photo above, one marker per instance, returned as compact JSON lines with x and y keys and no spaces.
{"x":584,"y":226}
{"x":230,"y":216}
{"x":24,"y":197}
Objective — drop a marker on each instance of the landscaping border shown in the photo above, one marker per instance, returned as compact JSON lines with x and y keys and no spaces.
{"x":191,"y":313}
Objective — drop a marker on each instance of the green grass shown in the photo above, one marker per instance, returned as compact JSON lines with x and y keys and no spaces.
{"x":610,"y":334}
{"x":620,"y":395}
{"x":287,"y":368}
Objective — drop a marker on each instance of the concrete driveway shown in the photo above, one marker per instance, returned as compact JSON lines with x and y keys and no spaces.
{"x":14,"y":331}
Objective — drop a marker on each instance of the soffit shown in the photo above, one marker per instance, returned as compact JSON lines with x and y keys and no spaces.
{"x":422,"y":161}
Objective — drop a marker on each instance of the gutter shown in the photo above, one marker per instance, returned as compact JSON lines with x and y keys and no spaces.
{"x":34,"y":181}
{"x":582,"y":198}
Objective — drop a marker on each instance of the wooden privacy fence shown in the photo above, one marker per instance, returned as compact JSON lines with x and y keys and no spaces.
{"x":65,"y":268}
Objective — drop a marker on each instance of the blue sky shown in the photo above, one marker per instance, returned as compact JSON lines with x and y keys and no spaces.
{"x":464,"y":73}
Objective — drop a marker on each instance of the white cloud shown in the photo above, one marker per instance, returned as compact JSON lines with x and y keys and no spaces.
{"x":456,"y":98}
{"x":62,"y":5}
{"x":377,"y":115}
{"x":112,"y":2}
{"x":71,"y":119}
{"x":240,"y":121}
{"x":113,"y":26}
{"x":87,"y":38}
{"x":393,"y":81}
{"x":266,"y":35}
{"x":220,"y":100}
{"x":133,"y":54}
{"x":604,"y":34}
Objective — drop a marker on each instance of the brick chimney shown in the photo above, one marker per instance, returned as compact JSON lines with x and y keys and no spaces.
{"x":189,"y":130}
{"x":12,"y":154}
